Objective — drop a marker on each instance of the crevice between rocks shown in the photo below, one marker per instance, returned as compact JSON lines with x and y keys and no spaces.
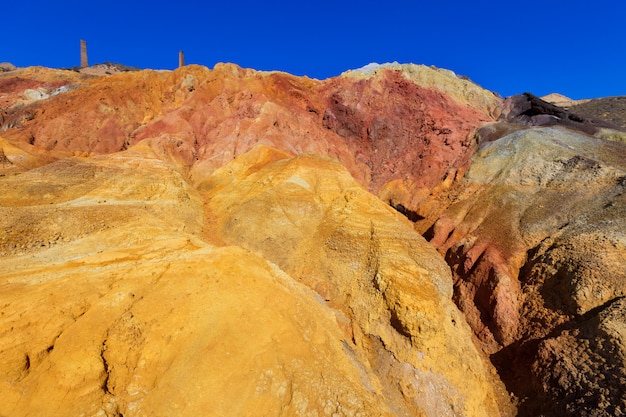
{"x":409,"y":214}
{"x":105,"y":364}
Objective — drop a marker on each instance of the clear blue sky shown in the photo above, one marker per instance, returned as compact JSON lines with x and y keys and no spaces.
{"x":576,"y":48}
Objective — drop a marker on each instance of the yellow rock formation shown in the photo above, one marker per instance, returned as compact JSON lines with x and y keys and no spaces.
{"x":114,"y":303}
{"x":310,"y":217}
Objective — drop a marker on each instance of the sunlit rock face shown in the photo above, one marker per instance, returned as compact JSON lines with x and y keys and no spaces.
{"x":166,"y":252}
{"x":234,"y":242}
{"x":308,"y":216}
{"x":276,"y":284}
{"x":115,"y":304}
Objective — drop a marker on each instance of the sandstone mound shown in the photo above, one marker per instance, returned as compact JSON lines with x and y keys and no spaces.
{"x":308,"y":216}
{"x":115,"y":304}
{"x":561,"y":100}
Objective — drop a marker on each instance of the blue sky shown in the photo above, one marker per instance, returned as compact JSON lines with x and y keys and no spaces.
{"x":572,"y":47}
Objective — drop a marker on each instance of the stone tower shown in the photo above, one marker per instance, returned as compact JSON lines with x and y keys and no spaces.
{"x":83,"y":54}
{"x":181,"y":59}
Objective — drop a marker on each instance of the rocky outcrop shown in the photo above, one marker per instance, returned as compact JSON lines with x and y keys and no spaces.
{"x":211,"y":240}
{"x":6,"y":67}
{"x":536,"y":243}
{"x":402,"y":129}
{"x":128,"y":292}
{"x":22,"y":87}
{"x":529,"y":110}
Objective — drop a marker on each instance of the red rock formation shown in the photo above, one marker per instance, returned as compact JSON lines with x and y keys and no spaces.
{"x":12,"y":94}
{"x":384,"y":128}
{"x":401,"y":130}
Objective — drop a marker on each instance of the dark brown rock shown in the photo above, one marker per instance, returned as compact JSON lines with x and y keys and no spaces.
{"x":609,"y":109}
{"x":529,"y":110}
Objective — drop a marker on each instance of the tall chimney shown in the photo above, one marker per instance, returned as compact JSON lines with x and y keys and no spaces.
{"x":181,"y":59}
{"x":83,"y":54}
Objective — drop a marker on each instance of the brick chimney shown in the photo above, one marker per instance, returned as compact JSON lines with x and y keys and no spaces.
{"x":181,"y":59}
{"x":83,"y":54}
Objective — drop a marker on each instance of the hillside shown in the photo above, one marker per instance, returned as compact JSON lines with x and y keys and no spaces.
{"x":610,"y":109}
{"x":392,"y":241}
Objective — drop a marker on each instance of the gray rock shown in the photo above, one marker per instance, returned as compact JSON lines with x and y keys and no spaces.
{"x":6,"y":67}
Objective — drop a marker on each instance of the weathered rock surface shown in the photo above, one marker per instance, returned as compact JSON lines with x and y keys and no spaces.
{"x":308,"y":216}
{"x":536,"y":242}
{"x":114,"y":303}
{"x":377,"y":346}
{"x":581,"y":369}
{"x":403,"y":127}
{"x":529,"y":110}
{"x":177,"y":242}
{"x":21,"y":87}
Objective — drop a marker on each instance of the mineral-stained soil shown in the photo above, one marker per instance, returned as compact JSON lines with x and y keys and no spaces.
{"x":233,"y":242}
{"x":407,"y":125}
{"x":536,"y":243}
{"x":115,"y":303}
{"x":609,"y":109}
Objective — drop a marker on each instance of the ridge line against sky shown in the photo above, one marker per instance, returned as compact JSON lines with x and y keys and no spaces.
{"x":574,"y":48}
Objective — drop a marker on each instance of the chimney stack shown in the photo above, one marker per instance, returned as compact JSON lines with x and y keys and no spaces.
{"x":181,"y":59}
{"x":83,"y":54}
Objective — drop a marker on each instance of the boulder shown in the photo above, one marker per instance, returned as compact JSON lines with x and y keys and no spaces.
{"x":6,"y":67}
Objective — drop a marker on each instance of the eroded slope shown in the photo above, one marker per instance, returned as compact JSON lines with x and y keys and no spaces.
{"x":309,"y":217}
{"x":536,"y":243}
{"x":115,"y":304}
{"x":531,"y":220}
